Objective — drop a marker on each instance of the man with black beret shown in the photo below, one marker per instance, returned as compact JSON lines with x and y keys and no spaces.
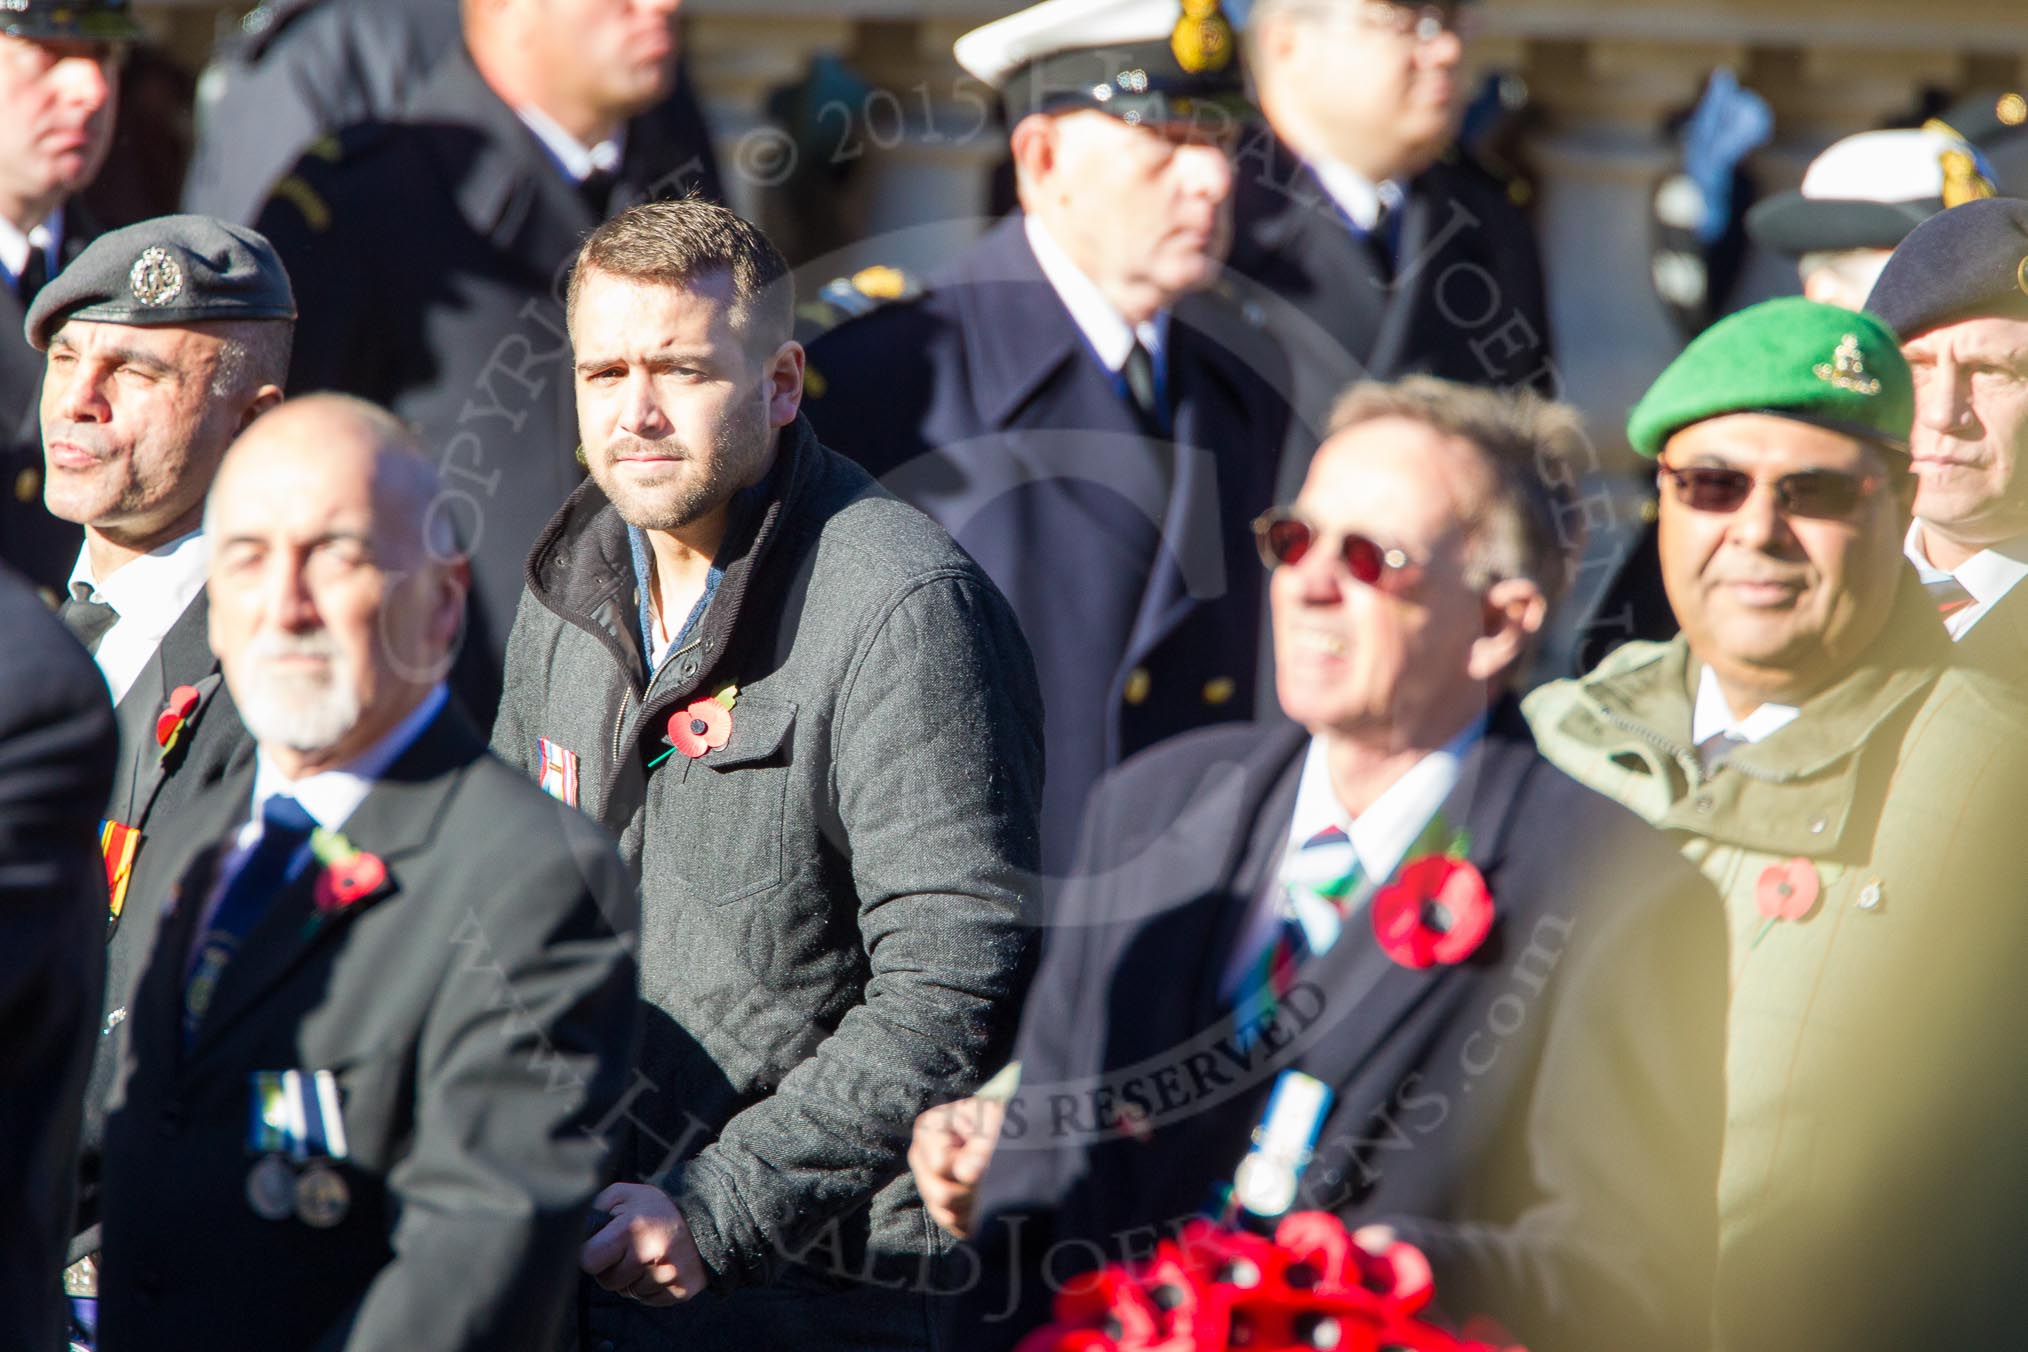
{"x":165,"y":339}
{"x":1956,"y":290}
{"x":58,"y":90}
{"x":1856,"y":800}
{"x":1860,"y":198}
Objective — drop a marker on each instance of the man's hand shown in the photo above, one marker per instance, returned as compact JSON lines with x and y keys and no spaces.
{"x":645,"y":1250}
{"x":953,"y":1143}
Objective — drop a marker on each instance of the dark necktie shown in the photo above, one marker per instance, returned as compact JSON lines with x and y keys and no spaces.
{"x":34,"y":275}
{"x":596,"y":188}
{"x":1948,"y":595}
{"x":1138,"y":374}
{"x":1381,"y":238}
{"x":285,"y":829}
{"x":87,"y":619}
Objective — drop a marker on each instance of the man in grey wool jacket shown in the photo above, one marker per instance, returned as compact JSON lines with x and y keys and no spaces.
{"x":815,"y":726}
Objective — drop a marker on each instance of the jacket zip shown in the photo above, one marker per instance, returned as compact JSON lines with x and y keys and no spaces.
{"x":1682,"y":755}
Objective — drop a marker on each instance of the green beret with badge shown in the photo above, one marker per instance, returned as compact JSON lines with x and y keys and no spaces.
{"x":1823,"y":364}
{"x":170,"y":270}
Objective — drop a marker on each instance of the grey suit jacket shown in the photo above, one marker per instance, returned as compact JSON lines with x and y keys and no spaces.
{"x":478,"y":1013}
{"x":150,"y":785}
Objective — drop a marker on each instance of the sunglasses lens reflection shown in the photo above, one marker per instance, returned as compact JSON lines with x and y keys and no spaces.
{"x":1288,"y":540}
{"x":1823,"y":494}
{"x":1364,"y":559}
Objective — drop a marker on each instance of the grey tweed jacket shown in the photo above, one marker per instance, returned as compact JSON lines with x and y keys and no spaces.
{"x":836,"y":903}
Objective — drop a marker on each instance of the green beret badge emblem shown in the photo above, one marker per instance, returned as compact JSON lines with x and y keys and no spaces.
{"x":1847,"y":369}
{"x":157,"y":278}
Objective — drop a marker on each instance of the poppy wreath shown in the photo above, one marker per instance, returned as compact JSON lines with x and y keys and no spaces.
{"x":1211,"y":1289}
{"x":1437,"y":908}
{"x":348,"y":874}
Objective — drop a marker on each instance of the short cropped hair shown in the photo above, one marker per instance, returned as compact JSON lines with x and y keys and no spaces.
{"x":252,"y":353}
{"x":1528,"y":445}
{"x":680,"y":243}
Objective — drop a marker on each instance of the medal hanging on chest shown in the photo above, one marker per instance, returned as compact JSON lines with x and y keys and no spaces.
{"x":296,"y":1131}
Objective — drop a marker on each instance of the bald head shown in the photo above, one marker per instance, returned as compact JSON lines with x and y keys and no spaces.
{"x":335,"y":595}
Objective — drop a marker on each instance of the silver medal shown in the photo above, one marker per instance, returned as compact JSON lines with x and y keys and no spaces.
{"x":271,"y":1189}
{"x":1264,"y":1185}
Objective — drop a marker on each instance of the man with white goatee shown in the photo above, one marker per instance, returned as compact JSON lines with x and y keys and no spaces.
{"x":391,"y":991}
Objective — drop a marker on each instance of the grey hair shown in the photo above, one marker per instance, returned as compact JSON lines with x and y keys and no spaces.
{"x":1528,"y":445}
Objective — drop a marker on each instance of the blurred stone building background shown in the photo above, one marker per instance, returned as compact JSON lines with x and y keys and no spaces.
{"x":845,"y":126}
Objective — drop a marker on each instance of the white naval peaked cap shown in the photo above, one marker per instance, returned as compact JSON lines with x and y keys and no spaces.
{"x":1137,"y":59}
{"x":1869,"y":190}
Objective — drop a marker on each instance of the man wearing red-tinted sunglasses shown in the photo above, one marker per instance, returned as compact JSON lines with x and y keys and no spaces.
{"x":1228,"y":1026}
{"x":1857,"y":803}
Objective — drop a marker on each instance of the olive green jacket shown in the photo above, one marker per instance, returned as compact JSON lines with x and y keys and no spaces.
{"x":1897,"y":795}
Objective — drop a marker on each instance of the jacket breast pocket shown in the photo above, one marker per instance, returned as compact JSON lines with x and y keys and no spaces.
{"x":726,"y":815}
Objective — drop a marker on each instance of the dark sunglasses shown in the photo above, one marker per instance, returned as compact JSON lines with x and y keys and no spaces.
{"x":1821,"y":494}
{"x":1285,"y":538}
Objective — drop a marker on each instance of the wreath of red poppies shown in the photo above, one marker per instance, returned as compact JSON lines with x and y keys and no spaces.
{"x":1212,"y":1289}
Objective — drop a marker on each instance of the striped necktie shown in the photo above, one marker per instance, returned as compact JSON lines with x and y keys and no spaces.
{"x":1948,"y":595}
{"x":1317,"y":882}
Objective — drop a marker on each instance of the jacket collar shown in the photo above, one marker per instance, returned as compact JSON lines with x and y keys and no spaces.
{"x":1363,"y":994}
{"x":1013,"y":346}
{"x":504,"y":183}
{"x":398,"y":821}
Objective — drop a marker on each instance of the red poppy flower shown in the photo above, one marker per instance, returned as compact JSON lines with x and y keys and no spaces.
{"x":1437,"y":910}
{"x":1787,"y":891}
{"x":705,"y":726}
{"x":348,"y":880}
{"x":182,"y":703}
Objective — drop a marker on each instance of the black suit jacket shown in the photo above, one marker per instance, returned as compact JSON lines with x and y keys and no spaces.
{"x":151,"y":792}
{"x":57,"y":746}
{"x":1543,"y":1119}
{"x":982,"y":404}
{"x":478,"y":1013}
{"x":32,"y":541}
{"x":449,"y":310}
{"x":1465,"y":300}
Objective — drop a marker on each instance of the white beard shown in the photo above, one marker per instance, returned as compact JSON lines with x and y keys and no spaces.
{"x":304,"y":715}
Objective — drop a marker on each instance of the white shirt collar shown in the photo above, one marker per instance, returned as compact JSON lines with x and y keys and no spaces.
{"x":1382,"y":834}
{"x":573,"y":156}
{"x":1713,"y":715}
{"x":1358,"y":196}
{"x":1104,"y":327}
{"x":149,"y":594}
{"x":16,"y":242}
{"x":332,"y":796}
{"x":1988,"y":575}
